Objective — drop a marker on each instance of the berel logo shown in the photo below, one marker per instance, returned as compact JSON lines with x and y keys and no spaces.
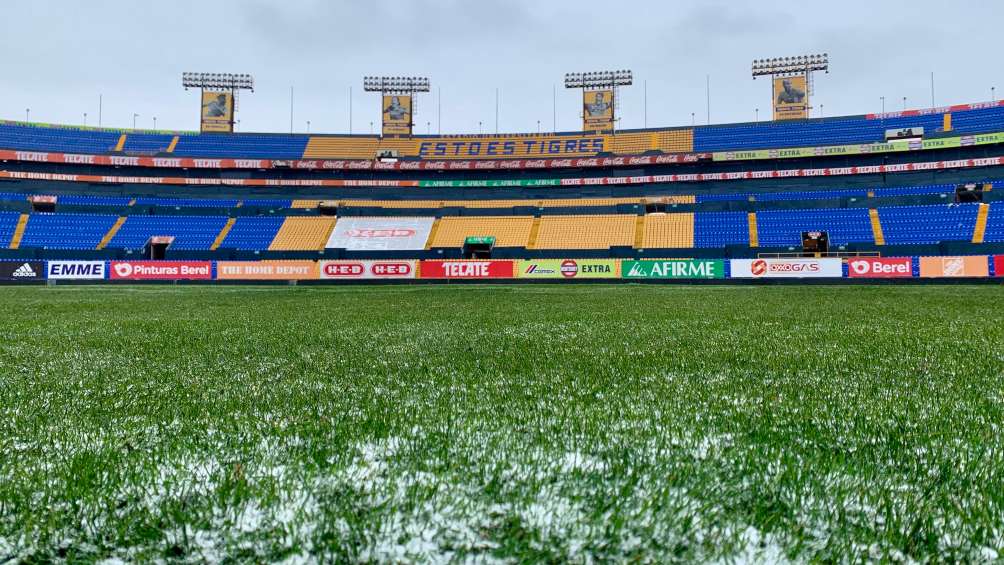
{"x":123,"y":269}
{"x":880,"y":267}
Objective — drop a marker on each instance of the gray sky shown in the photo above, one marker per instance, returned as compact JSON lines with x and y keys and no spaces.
{"x":60,"y":55}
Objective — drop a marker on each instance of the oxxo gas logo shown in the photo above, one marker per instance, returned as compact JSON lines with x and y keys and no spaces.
{"x":759,"y":268}
{"x":569,"y":268}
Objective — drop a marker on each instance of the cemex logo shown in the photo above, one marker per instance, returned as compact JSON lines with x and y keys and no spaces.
{"x":24,"y":272}
{"x":569,"y":268}
{"x":880,"y":268}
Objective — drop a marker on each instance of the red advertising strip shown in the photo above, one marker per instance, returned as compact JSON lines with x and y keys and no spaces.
{"x":161,"y":270}
{"x":999,"y":265}
{"x":467,"y":269}
{"x":880,"y":267}
{"x":647,"y":179}
{"x":348,"y":164}
{"x":939,"y":110}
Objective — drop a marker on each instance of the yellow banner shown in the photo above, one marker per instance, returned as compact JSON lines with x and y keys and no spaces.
{"x":791,"y":98}
{"x":597,"y":110}
{"x":397,"y":114}
{"x":217,"y":111}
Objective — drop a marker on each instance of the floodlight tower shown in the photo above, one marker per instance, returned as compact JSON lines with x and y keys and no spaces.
{"x":802,"y":65}
{"x":397,"y":86}
{"x":220,"y":82}
{"x":605,"y":80}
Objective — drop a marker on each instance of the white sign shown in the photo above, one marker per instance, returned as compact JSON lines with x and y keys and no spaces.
{"x":75,"y":270}
{"x":786,"y":268}
{"x":378,"y":234}
{"x":341,"y":270}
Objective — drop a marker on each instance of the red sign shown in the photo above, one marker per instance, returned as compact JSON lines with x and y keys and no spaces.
{"x":569,"y":268}
{"x":161,"y":270}
{"x":467,"y":269}
{"x":880,"y":267}
{"x":999,"y":265}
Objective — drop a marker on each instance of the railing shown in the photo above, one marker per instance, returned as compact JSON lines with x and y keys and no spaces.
{"x":819,"y":254}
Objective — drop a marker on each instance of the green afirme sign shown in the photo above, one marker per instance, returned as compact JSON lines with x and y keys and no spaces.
{"x":674,"y":269}
{"x":487,"y":183}
{"x":480,"y":240}
{"x":859,"y":149}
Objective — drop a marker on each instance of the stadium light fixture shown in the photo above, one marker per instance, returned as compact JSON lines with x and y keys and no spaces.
{"x":599,"y":79}
{"x":395,"y":85}
{"x":218,"y":81}
{"x":802,"y":64}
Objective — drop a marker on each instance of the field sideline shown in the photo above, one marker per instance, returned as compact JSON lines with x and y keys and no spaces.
{"x":502,"y":423}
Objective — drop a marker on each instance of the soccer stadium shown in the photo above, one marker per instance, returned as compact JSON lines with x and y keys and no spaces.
{"x":717,"y":340}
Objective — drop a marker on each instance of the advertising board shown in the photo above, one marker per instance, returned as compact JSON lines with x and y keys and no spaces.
{"x":786,"y":268}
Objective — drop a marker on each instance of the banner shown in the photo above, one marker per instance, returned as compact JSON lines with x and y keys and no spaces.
{"x":880,"y":267}
{"x":999,"y":265}
{"x":466,"y":269}
{"x":397,"y":114}
{"x":335,"y":270}
{"x":579,"y":181}
{"x":217,"y":111}
{"x":967,"y":266}
{"x":75,"y":270}
{"x":22,"y":271}
{"x":786,"y":268}
{"x":380,"y":234}
{"x":266,"y":270}
{"x":568,"y":269}
{"x":674,"y":269}
{"x":161,"y":270}
{"x":791,"y":98}
{"x":598,"y":110}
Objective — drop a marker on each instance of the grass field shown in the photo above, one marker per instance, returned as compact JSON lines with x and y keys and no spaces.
{"x":516,"y":423}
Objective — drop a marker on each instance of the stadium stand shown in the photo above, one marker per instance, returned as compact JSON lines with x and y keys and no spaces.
{"x":66,"y":231}
{"x":189,"y":232}
{"x":8,"y":223}
{"x":600,"y":231}
{"x":718,"y":229}
{"x":508,"y":231}
{"x":928,"y":224}
{"x":252,"y":233}
{"x":785,"y":227}
{"x":668,"y":231}
{"x":303,"y":234}
{"x":994,"y":231}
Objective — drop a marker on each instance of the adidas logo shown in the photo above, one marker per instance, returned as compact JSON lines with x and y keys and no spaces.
{"x":24,"y":271}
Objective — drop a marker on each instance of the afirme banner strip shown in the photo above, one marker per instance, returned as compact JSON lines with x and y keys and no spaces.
{"x":951,"y":267}
{"x":373,"y":270}
{"x":75,"y":270}
{"x":786,"y":268}
{"x":161,"y":270}
{"x":267,"y":270}
{"x":568,"y":269}
{"x":880,"y":267}
{"x":23,"y":271}
{"x":674,"y":269}
{"x":469,"y":269}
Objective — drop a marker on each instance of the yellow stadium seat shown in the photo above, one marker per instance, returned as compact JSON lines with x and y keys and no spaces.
{"x":586,"y":232}
{"x":508,"y":231}
{"x":669,"y":231}
{"x":303,"y":234}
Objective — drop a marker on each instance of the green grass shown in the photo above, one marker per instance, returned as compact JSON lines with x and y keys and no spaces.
{"x":516,"y":423}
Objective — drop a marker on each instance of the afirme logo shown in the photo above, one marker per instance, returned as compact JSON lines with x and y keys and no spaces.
{"x":24,"y":272}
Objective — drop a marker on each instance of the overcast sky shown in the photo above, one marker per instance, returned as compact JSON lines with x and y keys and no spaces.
{"x":59,"y":56}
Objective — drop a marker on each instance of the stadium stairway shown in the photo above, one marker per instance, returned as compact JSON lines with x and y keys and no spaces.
{"x":22,"y":223}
